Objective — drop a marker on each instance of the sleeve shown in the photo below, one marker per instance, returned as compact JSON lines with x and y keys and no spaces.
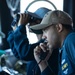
{"x":10,"y":40}
{"x":47,"y":71}
{"x":21,"y":43}
{"x":70,"y":45}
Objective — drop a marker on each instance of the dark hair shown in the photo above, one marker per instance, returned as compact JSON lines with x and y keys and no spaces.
{"x":68,"y":27}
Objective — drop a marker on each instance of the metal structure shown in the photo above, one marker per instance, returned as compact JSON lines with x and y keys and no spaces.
{"x":40,"y":1}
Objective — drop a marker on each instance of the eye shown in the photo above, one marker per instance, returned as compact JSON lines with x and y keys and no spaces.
{"x":46,"y":29}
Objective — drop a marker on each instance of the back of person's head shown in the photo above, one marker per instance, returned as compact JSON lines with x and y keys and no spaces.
{"x":54,"y":17}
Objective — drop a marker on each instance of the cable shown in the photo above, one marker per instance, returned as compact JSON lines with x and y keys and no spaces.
{"x":34,"y":72}
{"x":34,"y":69}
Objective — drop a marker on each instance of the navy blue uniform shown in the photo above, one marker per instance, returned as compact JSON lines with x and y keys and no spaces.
{"x":21,"y":48}
{"x":67,"y":57}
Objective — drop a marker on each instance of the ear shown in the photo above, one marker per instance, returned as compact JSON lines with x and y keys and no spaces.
{"x":59,"y":27}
